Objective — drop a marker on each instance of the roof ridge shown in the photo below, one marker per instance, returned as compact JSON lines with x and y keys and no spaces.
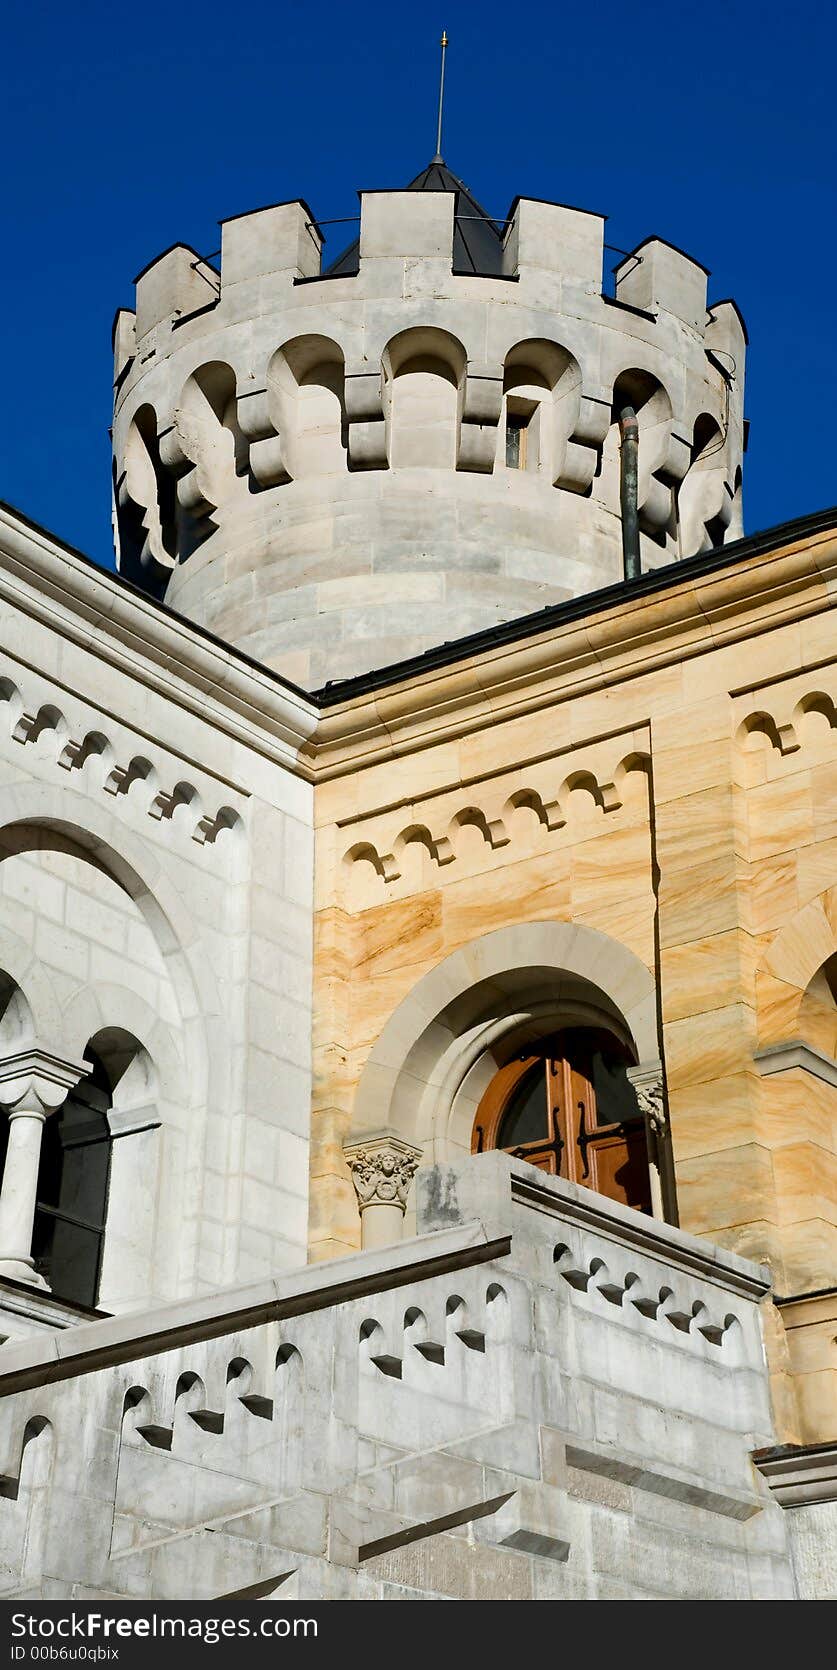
{"x":451,"y":182}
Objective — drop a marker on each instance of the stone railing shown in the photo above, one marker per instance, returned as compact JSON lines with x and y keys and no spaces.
{"x":557,"y":1398}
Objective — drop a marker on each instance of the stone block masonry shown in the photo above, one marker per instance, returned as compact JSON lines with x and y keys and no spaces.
{"x":552,"y":1403}
{"x":336,"y":467}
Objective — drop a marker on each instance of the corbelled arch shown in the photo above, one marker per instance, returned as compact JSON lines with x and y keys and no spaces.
{"x":480,"y":1004}
{"x":105,"y":1006}
{"x":306,"y":396}
{"x":542,"y":393}
{"x":146,"y":504}
{"x":107,"y":843}
{"x":37,"y":1013}
{"x":181,"y":1040}
{"x":793,"y":960}
{"x":424,"y":371}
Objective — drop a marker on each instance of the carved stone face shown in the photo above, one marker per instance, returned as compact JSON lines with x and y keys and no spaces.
{"x":382,"y":1175}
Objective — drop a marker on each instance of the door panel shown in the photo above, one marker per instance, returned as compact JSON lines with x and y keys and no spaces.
{"x":619,"y":1167}
{"x":543,"y":1158}
{"x":543,"y":1108}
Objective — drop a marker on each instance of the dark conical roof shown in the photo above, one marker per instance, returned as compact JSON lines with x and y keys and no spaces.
{"x":477,"y":239}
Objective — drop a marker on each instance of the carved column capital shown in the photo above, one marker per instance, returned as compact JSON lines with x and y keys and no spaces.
{"x":382,"y":1167}
{"x":647,"y":1081}
{"x":36,"y":1080}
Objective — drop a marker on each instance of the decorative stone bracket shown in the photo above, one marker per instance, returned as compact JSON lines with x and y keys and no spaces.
{"x":795,"y":1054}
{"x":583,"y":449}
{"x":648,"y":1084}
{"x":268,"y":463}
{"x":656,"y":488}
{"x":382,"y":1167}
{"x":647,"y":1080}
{"x":481,"y":408}
{"x":366,"y":419}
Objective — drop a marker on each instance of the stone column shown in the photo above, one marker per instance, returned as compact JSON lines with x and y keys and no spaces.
{"x":647,"y":1080}
{"x":383,"y":1167}
{"x":33,"y":1083}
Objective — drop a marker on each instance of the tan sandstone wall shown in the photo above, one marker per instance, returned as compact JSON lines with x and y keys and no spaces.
{"x":664,"y":775}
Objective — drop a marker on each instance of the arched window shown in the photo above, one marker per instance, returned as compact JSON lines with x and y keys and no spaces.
{"x":568,"y":1107}
{"x":540,"y":399}
{"x":72,"y":1195}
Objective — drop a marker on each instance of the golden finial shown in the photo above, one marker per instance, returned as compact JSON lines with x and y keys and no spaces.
{"x":444,"y":46}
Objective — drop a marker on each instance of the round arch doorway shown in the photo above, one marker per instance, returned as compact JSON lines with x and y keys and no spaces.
{"x":568,"y":1107}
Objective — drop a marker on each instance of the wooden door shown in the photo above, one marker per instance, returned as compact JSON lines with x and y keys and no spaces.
{"x":568,"y":1108}
{"x":524,"y":1112}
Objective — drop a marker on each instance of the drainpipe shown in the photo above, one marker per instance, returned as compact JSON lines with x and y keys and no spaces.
{"x":629,"y":491}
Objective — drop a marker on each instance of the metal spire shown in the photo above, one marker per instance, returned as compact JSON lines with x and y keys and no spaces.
{"x":444,"y":45}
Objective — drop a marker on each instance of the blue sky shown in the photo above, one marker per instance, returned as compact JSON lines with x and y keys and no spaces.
{"x":126,"y":129}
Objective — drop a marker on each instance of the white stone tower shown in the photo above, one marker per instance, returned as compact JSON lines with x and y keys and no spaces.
{"x":336,"y":467}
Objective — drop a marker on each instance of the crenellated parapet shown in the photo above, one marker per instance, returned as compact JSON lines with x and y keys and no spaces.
{"x":334,"y":467}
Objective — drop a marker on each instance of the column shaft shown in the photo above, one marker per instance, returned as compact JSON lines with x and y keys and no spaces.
{"x":18,"y":1193}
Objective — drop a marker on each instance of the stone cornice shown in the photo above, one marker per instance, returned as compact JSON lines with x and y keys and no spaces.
{"x":120,"y":1339}
{"x":37,"y":1305}
{"x":798,"y":1475}
{"x":130,"y":1122}
{"x":808,"y":1310}
{"x":103,"y":613}
{"x":797,"y":533}
{"x":568,"y":651}
{"x":783,"y":1058}
{"x":565,"y":651}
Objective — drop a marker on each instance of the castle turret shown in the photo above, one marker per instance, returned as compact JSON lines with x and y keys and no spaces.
{"x":335,"y":467}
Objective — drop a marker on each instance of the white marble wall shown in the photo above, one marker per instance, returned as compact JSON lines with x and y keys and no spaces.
{"x":556,"y":1401}
{"x":156,"y":878}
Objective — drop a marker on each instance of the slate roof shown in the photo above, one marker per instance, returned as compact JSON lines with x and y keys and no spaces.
{"x":477,"y":239}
